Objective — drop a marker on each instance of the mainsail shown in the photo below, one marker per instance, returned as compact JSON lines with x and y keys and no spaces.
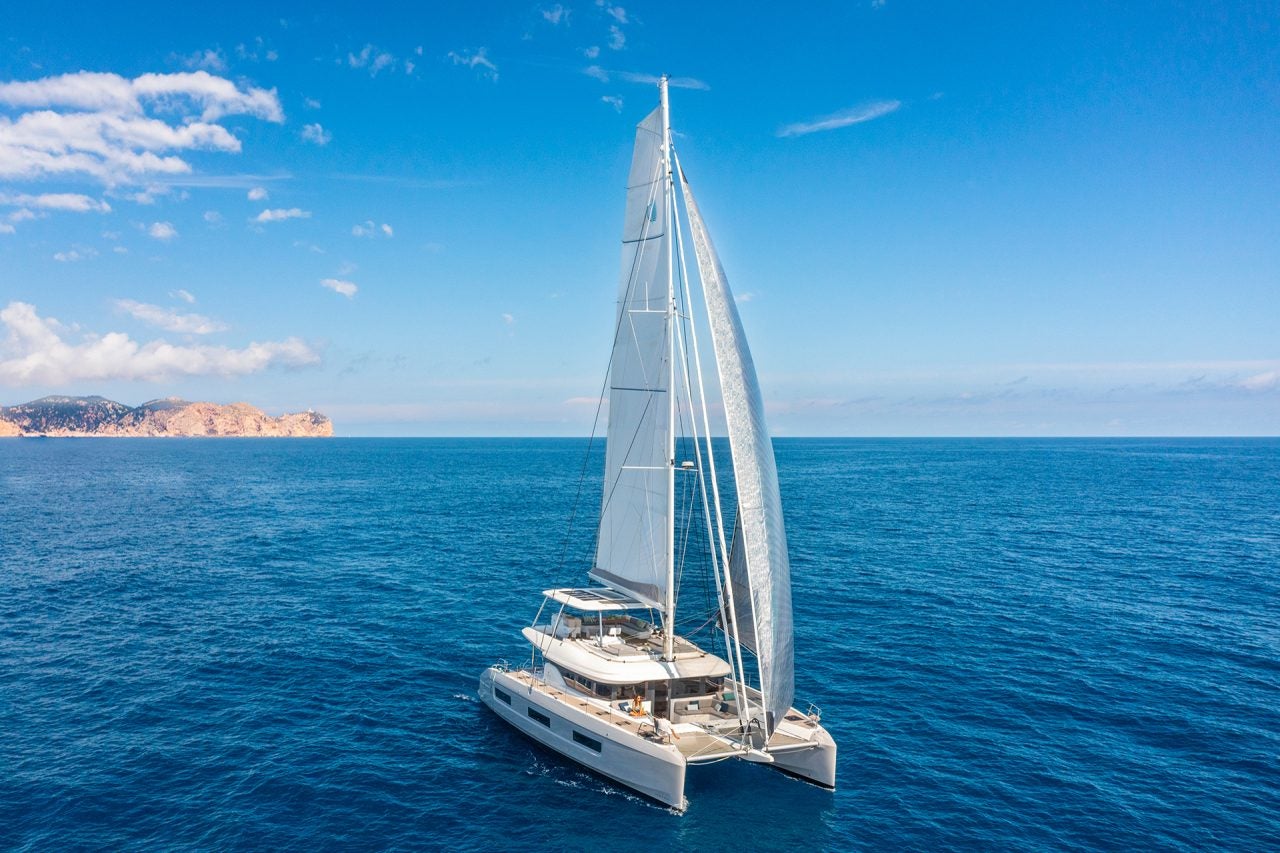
{"x":635,"y":530}
{"x":761,"y":575}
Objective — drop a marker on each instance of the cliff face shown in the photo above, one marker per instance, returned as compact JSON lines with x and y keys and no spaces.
{"x":98,"y":416}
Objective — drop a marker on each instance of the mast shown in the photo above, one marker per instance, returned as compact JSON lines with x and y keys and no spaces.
{"x":668,"y":192}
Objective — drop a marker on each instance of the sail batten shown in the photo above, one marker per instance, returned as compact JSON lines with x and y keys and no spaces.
{"x":758,"y":563}
{"x":635,"y":526}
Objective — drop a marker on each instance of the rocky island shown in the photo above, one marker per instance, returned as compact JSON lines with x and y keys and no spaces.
{"x":173,"y":417}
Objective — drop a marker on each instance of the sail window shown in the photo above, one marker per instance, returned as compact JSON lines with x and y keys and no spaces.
{"x":588,"y":742}
{"x":540,"y":717}
{"x":502,"y":695}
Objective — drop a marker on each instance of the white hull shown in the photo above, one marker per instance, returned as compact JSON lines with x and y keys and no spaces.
{"x":653,"y":769}
{"x":815,"y":764}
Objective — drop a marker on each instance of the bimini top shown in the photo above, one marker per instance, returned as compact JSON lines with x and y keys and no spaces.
{"x":597,"y":598}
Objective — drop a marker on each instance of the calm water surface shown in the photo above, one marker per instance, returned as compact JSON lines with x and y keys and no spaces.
{"x":274,"y":644}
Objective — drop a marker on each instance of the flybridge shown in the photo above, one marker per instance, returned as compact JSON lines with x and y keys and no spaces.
{"x":598,"y":598}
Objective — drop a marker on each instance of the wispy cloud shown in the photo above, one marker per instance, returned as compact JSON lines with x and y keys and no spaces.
{"x":369,"y":229}
{"x":97,"y":124}
{"x":78,"y":253}
{"x":617,"y":38}
{"x":337,"y":285}
{"x":372,"y":59}
{"x":317,"y":134}
{"x":162,"y":231}
{"x":476,"y":59}
{"x":279,"y":214}
{"x":604,"y":75}
{"x":36,"y":352}
{"x":170,"y":320}
{"x":210,"y":60}
{"x":74,"y":202}
{"x":613,"y":101}
{"x":556,"y":15}
{"x":185,"y":295}
{"x":257,"y":194}
{"x":844,"y":118}
{"x":673,"y":82}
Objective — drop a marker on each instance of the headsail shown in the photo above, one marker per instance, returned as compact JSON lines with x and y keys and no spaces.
{"x":758,"y":560}
{"x":635,"y":531}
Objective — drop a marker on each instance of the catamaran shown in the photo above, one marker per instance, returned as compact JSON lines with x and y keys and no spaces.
{"x":611,"y":683}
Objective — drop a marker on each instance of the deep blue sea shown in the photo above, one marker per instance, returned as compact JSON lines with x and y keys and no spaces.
{"x":274,"y":644}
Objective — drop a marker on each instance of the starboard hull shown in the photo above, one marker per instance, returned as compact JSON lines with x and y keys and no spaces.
{"x":816,"y":764}
{"x":652,"y":769}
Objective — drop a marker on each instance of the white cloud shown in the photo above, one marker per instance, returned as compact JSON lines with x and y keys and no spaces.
{"x":477,"y":59}
{"x":86,"y":90}
{"x":209,"y":60}
{"x":369,"y":229}
{"x":97,"y":123}
{"x":591,"y":52}
{"x":844,"y":118}
{"x":617,"y":38}
{"x":257,"y":52}
{"x":23,"y":215}
{"x":613,"y":101}
{"x":509,"y":319}
{"x":149,"y":195}
{"x":311,"y":103}
{"x":162,"y":231}
{"x":213,"y":217}
{"x":6,"y":228}
{"x":556,"y":14}
{"x":279,"y":214}
{"x":55,"y":201}
{"x":1262,"y":381}
{"x":36,"y":352}
{"x":257,"y":193}
{"x":169,"y":320}
{"x":337,"y":285}
{"x":317,"y":134}
{"x":597,"y":72}
{"x":371,"y":58}
{"x":79,"y":253}
{"x":185,"y":295}
{"x":618,"y":13}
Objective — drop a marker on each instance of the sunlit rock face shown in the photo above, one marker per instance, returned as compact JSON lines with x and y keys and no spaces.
{"x":98,"y":416}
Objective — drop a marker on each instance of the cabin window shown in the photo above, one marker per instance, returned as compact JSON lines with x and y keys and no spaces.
{"x":588,"y":742}
{"x":503,"y":695}
{"x":540,"y":717}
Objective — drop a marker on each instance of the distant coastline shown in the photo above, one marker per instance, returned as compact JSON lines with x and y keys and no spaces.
{"x":170,"y":417}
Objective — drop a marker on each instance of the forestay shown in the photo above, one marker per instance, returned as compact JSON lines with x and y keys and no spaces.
{"x":635,"y":531}
{"x":761,"y":575}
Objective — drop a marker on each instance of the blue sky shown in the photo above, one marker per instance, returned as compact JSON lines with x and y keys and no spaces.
{"x":940,"y":219}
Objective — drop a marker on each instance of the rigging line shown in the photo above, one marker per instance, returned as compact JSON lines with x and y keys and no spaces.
{"x":595,"y":421}
{"x":728,"y":615}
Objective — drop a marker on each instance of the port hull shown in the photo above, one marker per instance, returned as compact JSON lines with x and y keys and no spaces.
{"x":651,"y":768}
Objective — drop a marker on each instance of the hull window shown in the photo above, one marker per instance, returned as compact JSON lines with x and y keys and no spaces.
{"x":540,"y":717}
{"x":588,"y":742}
{"x":503,"y":695}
